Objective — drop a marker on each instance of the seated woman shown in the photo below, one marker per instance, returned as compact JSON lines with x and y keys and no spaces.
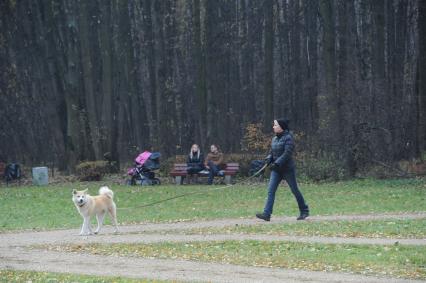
{"x":195,"y":160}
{"x":213,"y":163}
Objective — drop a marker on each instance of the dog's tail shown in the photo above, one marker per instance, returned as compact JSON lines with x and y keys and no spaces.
{"x":106,"y":191}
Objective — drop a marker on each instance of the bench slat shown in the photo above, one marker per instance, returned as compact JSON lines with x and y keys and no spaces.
{"x":180,"y":171}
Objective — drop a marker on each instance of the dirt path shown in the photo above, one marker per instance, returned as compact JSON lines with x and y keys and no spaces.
{"x":15,"y":254}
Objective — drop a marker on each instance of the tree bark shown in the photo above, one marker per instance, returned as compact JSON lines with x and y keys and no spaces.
{"x":330,"y":102}
{"x":422,"y":79}
{"x":200,"y":76}
{"x":88,"y":80}
{"x":269,"y":64}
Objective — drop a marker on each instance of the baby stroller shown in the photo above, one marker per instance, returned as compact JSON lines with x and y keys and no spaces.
{"x":142,"y":173}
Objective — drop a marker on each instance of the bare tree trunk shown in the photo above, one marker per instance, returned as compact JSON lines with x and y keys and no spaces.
{"x":87,"y":69}
{"x":378,"y":58}
{"x":200,"y":75}
{"x":311,"y":8}
{"x":150,"y":60}
{"x":398,"y":137}
{"x":422,"y":78}
{"x":211,"y":73}
{"x":330,"y":115}
{"x":269,"y":64}
{"x":73,"y":146}
{"x":106,"y":83}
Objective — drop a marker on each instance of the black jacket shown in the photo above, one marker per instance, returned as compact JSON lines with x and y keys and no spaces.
{"x":282,"y":148}
{"x":194,"y":161}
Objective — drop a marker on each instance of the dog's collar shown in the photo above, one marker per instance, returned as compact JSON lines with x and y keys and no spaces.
{"x":82,"y":204}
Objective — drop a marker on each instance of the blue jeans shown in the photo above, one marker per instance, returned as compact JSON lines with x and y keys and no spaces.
{"x":213,"y":170}
{"x":290,"y":177}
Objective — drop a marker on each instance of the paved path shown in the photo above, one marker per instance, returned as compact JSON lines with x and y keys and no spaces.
{"x":15,"y":254}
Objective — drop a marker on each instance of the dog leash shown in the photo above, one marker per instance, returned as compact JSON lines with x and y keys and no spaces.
{"x":194,"y":193}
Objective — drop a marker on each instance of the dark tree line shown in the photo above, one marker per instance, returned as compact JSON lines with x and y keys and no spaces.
{"x":80,"y":79}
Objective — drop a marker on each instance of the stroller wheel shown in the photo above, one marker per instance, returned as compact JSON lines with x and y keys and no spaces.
{"x":156,"y":181}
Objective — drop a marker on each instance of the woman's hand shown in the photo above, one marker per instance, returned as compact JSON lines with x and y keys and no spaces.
{"x":268,"y":160}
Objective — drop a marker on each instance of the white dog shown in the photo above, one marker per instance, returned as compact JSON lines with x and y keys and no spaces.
{"x":87,"y":206}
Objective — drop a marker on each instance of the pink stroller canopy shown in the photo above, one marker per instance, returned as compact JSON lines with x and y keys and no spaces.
{"x":143,"y":157}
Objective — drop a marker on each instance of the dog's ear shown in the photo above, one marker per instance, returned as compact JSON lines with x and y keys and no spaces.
{"x":74,"y":192}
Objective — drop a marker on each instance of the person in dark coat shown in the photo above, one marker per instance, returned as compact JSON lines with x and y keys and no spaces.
{"x":195,"y":160}
{"x":195,"y":163}
{"x":282,"y":166}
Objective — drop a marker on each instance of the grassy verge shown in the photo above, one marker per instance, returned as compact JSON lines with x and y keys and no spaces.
{"x":392,"y":261}
{"x":370,"y":229}
{"x":11,"y":276}
{"x":51,"y":207}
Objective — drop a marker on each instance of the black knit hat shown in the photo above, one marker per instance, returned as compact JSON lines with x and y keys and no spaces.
{"x":283,"y":122}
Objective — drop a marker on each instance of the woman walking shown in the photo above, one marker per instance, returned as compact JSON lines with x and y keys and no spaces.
{"x":282,"y":166}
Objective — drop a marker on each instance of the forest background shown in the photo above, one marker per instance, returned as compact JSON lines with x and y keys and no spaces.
{"x":84,"y":80}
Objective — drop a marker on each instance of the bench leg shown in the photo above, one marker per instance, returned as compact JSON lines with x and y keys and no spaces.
{"x":192,"y":179}
{"x":228,"y":179}
{"x":178,"y":180}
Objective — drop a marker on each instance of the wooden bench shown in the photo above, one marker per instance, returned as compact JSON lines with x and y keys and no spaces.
{"x":179,"y":172}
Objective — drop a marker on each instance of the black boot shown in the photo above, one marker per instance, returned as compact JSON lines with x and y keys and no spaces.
{"x":303,"y":215}
{"x":263,"y":216}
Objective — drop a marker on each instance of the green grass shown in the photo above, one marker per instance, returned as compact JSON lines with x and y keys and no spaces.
{"x":393,"y":261}
{"x":11,"y":276}
{"x":51,"y":207}
{"x":415,"y":229}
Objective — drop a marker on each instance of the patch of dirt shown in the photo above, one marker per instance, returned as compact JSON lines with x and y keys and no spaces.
{"x":16,"y":253}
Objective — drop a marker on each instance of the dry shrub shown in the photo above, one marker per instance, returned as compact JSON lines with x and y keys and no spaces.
{"x":93,"y":170}
{"x":255,"y":140}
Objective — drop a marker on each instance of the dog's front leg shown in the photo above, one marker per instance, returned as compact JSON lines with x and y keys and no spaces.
{"x":86,"y":230}
{"x":89,"y":227}
{"x":82,"y":228}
